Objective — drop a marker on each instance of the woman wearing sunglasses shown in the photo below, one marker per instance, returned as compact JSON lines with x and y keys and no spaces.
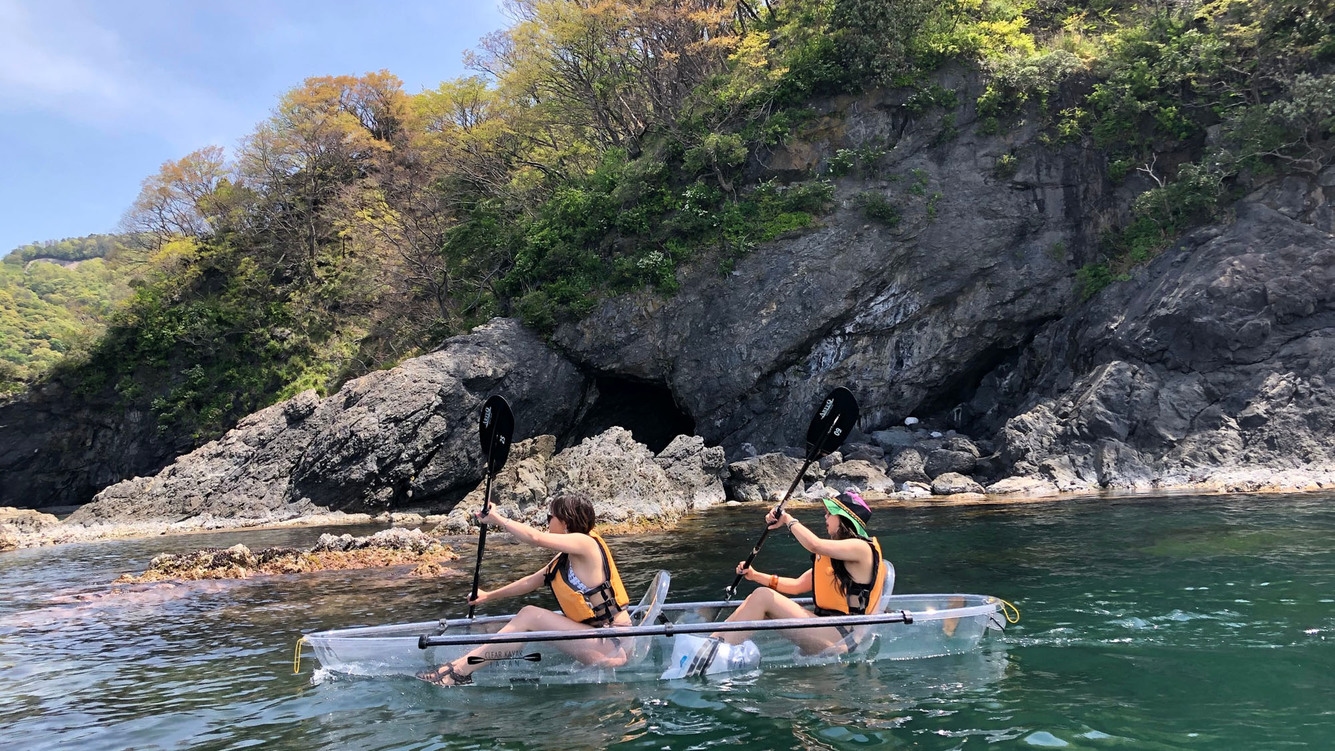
{"x":583,"y":577}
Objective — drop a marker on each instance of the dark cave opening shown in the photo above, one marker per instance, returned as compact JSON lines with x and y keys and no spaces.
{"x":647,"y":410}
{"x":978,"y":398}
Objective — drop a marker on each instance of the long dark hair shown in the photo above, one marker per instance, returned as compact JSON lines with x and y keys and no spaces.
{"x":575,"y":509}
{"x":841,"y":575}
{"x":845,"y":530}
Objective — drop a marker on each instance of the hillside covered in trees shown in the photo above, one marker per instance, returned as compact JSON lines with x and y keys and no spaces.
{"x":55,"y":298}
{"x":602,"y":146}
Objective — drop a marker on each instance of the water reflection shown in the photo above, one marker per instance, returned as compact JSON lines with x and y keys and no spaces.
{"x":839,"y":705}
{"x":1171,"y":623}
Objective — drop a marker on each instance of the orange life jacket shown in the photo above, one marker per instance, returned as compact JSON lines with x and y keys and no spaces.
{"x":601,"y":604}
{"x":830,"y":599}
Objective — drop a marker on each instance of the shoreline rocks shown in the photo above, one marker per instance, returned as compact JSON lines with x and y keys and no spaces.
{"x":382,"y":441}
{"x":390,"y":547}
{"x":1010,"y":490}
{"x":632,"y":488}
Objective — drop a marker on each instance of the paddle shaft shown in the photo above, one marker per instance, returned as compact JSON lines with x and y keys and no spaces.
{"x":668,"y":629}
{"x":482,"y":533}
{"x":778,"y":510}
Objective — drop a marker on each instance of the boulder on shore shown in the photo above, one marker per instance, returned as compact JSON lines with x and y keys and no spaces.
{"x":953,"y":483}
{"x":628,"y":484}
{"x":863,"y":475}
{"x":383,"y":440}
{"x":767,"y":477}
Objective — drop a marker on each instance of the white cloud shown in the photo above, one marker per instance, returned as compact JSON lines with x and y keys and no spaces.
{"x":56,"y":59}
{"x":43,"y":66}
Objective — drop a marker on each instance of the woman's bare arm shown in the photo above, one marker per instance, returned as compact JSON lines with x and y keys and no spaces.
{"x":574,"y":544}
{"x":784,"y":585}
{"x":515,"y":588}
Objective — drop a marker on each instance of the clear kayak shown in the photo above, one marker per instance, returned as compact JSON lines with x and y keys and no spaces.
{"x":665,"y":641}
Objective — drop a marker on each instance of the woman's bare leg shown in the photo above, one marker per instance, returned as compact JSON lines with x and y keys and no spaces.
{"x":766,"y":604}
{"x":533,"y":618}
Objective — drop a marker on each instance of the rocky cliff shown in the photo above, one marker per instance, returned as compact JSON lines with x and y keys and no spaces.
{"x":960,"y":306}
{"x":1215,"y":362}
{"x":911,"y":316}
{"x":384,"y":439}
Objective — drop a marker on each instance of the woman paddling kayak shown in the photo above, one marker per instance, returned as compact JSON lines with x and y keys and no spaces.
{"x":845,"y":577}
{"x":583,"y":577}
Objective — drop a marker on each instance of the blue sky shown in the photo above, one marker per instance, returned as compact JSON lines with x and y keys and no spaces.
{"x":96,"y":94}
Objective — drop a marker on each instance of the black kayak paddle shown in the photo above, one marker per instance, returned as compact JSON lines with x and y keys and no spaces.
{"x":495,"y":428}
{"x":834,"y":420}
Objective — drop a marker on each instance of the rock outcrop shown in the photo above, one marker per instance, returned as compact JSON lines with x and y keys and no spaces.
{"x":630,"y":486}
{"x":17,"y":525}
{"x":384,"y":438}
{"x":390,"y":547}
{"x":907,"y":316}
{"x":1213,"y":365}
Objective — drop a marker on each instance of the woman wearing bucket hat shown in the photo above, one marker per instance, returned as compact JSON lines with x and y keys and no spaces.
{"x":845,"y":577}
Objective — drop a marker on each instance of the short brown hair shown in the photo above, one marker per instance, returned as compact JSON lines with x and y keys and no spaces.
{"x":575,"y":509}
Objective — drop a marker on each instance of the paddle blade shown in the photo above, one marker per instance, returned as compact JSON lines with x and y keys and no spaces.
{"x":833,"y":421}
{"x":478,"y":660}
{"x":495,"y":428}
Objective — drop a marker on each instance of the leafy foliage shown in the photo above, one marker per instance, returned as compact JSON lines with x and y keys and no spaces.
{"x":602,"y":147}
{"x":56,"y":297}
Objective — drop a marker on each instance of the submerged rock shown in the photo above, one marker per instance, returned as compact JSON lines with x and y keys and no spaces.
{"x":390,"y":547}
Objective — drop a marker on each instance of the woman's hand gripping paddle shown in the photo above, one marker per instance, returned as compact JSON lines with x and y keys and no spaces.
{"x":833,"y":421}
{"x":495,"y":428}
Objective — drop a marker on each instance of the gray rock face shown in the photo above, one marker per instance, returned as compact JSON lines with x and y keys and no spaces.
{"x":953,"y":483}
{"x":628,"y":484}
{"x":58,"y":448}
{"x":1220,"y":354}
{"x":389,"y":436}
{"x":899,"y":314}
{"x":767,"y":477}
{"x":860,"y":474}
{"x":908,"y":466}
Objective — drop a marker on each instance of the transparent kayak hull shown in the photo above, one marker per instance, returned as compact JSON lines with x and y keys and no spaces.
{"x":909,"y":627}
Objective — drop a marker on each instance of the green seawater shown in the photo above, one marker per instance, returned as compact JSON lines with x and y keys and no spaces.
{"x":1151,"y":623}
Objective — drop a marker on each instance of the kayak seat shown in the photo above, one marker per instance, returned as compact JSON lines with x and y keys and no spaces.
{"x":646,"y":614}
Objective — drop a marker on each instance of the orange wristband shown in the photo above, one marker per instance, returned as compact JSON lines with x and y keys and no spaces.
{"x":773,"y":581}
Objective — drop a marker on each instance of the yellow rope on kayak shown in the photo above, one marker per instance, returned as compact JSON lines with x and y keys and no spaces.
{"x":1006,"y":609}
{"x":296,"y":657}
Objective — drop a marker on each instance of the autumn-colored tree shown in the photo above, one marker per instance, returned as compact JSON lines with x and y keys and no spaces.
{"x":607,"y":71}
{"x":322,"y":136}
{"x":182,"y":199}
